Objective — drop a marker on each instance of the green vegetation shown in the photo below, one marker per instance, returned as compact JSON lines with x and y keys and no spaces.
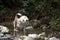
{"x":46,"y":10}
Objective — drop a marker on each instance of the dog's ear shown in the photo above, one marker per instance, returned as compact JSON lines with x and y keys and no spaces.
{"x":18,"y":16}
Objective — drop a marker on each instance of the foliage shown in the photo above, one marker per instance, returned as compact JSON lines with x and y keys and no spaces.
{"x":55,"y":20}
{"x":46,"y":10}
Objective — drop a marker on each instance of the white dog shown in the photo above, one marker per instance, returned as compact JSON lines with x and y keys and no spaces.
{"x":20,"y":21}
